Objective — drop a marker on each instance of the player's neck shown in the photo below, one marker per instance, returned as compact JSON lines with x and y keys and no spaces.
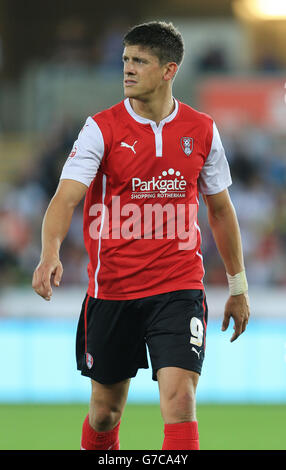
{"x":155,"y":110}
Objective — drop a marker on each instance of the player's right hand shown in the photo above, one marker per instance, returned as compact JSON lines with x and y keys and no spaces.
{"x":45,"y":272}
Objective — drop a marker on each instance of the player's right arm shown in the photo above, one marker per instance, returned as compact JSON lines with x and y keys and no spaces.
{"x":56,"y":223}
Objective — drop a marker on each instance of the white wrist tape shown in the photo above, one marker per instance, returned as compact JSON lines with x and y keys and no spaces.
{"x":237,"y":284}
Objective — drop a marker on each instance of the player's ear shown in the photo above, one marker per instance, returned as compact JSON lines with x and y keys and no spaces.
{"x":170,"y":71}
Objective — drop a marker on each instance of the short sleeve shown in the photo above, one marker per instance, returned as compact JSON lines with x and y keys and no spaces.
{"x":86,"y":155}
{"x":215,"y":175}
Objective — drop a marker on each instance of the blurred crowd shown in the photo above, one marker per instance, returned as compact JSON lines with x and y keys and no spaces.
{"x":22,"y":208}
{"x":258,"y":167}
{"x":76,"y":45}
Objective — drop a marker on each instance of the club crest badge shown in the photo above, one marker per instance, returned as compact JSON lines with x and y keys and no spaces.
{"x":187,"y":144}
{"x":89,"y":360}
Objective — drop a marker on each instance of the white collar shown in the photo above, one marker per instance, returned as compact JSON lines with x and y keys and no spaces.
{"x":143,"y":120}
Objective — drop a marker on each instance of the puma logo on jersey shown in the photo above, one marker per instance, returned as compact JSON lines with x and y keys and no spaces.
{"x":123,"y":144}
{"x":197,"y":352}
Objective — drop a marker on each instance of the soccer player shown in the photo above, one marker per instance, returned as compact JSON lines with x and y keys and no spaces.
{"x":140,"y":166}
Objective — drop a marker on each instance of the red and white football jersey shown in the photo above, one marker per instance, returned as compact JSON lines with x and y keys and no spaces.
{"x":140,"y":213}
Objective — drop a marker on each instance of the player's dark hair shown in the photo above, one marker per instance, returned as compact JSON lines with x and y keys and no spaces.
{"x":163,"y":39}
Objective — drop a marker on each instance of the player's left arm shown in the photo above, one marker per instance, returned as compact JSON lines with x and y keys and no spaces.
{"x":225,"y":229}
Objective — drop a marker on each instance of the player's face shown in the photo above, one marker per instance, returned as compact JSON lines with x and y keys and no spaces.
{"x":143,"y":73}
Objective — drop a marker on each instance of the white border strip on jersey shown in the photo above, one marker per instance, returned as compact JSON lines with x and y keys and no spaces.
{"x":99,"y":238}
{"x":200,"y":256}
{"x":197,"y":253}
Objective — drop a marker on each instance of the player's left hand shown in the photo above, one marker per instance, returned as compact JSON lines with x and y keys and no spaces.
{"x":236,"y":307}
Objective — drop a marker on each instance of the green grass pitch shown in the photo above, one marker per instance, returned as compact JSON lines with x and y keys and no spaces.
{"x":221,"y":427}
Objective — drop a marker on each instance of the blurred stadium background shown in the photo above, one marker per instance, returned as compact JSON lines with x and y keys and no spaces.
{"x":61,"y":62}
